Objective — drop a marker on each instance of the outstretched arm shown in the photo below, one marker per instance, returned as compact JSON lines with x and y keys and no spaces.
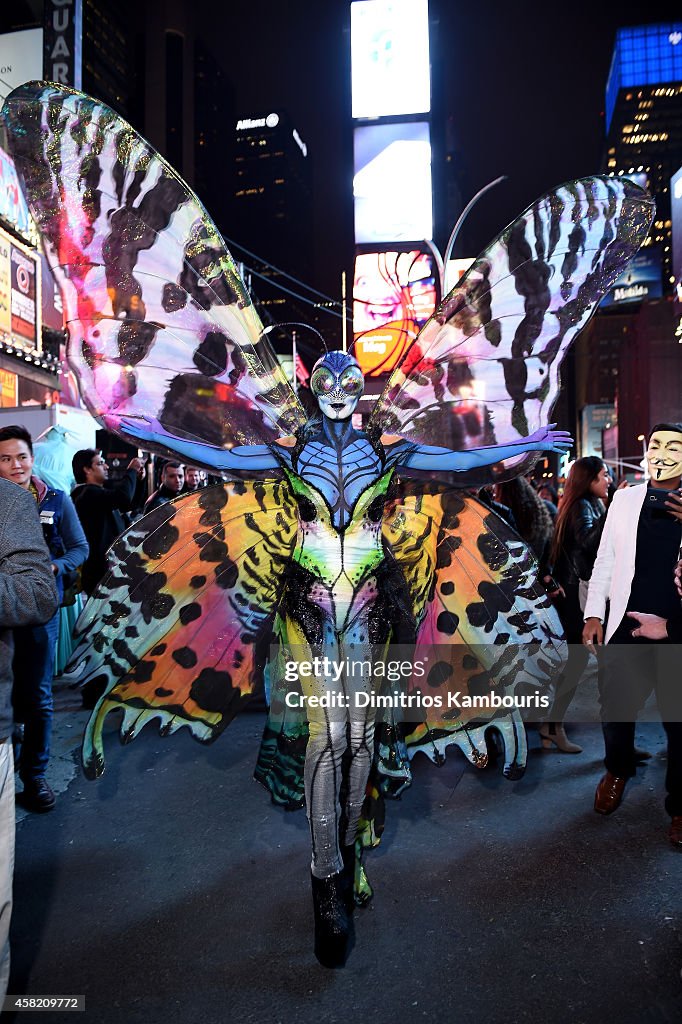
{"x":248,"y":457}
{"x":546,"y":439}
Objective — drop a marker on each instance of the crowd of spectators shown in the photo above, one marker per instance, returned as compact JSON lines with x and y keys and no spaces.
{"x":594,"y":548}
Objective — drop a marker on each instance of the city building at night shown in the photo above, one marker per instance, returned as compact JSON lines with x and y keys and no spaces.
{"x":644,"y":122}
{"x":87,"y":45}
{"x":627,"y":362}
{"x":271,"y":212}
{"x":107,"y":50}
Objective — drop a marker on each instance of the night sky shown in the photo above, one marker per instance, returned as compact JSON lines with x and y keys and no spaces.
{"x":524,"y":83}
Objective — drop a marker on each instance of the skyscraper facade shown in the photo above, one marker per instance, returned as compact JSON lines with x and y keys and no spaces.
{"x":272,"y":210}
{"x":644,"y":121}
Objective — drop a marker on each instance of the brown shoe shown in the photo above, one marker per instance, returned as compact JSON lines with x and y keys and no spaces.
{"x":609,"y":794}
{"x":675,"y":831}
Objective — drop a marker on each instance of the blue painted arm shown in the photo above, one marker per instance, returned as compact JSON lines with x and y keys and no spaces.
{"x":248,"y":457}
{"x":432,"y":457}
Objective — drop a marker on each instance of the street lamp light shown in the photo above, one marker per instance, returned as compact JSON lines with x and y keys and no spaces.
{"x":645,"y":464}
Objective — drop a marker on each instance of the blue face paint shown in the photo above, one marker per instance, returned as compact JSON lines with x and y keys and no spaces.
{"x":337,"y":383}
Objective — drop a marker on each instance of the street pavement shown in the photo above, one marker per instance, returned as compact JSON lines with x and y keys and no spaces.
{"x":171,"y":890}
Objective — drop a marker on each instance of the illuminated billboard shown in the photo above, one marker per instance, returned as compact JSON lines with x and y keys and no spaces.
{"x":13,"y":206}
{"x":19,"y":292}
{"x":52,"y":303}
{"x":392,"y":183}
{"x":21,"y":59}
{"x":394,"y":294}
{"x":390,"y":58}
{"x":641,"y":279}
{"x":24,"y":289}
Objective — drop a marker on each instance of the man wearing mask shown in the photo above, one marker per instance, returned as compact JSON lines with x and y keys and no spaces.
{"x":634,"y":572}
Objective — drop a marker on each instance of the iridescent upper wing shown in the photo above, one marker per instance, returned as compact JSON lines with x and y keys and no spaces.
{"x":160,"y":323}
{"x":178,"y":629}
{"x":484,"y":369}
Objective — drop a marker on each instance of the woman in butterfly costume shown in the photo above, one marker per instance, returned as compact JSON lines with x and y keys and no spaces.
{"x":333,"y":539}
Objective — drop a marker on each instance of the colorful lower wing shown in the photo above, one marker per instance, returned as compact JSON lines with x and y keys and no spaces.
{"x":485,"y":624}
{"x":178,"y":630}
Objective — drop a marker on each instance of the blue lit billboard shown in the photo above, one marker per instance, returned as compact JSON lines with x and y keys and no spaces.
{"x":641,"y":280}
{"x":644,"y":55}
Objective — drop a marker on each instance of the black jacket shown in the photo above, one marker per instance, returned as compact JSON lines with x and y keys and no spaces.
{"x":160,"y":497}
{"x":99,"y":510}
{"x":580,"y":542}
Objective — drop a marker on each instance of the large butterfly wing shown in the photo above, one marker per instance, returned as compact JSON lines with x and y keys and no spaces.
{"x":484,"y":622}
{"x":160,"y":323}
{"x":485,"y":368}
{"x":179,"y":628}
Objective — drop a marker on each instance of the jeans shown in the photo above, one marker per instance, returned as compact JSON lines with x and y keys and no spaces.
{"x":6,"y":857}
{"x":33,"y":667}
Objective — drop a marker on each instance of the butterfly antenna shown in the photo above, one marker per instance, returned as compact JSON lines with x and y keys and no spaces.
{"x":292,"y":323}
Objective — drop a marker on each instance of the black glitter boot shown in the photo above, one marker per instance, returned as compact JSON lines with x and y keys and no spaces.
{"x":333,"y":925}
{"x":348,"y":876}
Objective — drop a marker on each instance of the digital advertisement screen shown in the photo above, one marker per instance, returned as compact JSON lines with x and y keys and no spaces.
{"x":52,"y":305}
{"x":640,"y":280}
{"x":392,"y":183}
{"x":13,"y":206}
{"x":394,"y":294}
{"x":5,"y":289}
{"x":390,"y":58}
{"x":23,"y":272}
{"x":21,"y":59}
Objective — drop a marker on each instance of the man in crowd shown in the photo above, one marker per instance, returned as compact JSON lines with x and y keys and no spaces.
{"x":634,"y":572}
{"x":172,"y":479}
{"x":35,"y":646}
{"x":192,"y":479}
{"x":28,"y":596}
{"x":99,"y":507}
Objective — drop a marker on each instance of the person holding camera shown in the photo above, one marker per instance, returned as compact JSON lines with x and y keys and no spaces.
{"x":634,"y":572}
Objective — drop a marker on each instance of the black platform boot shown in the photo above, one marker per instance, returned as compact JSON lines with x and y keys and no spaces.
{"x":333,"y":924}
{"x":348,"y":876}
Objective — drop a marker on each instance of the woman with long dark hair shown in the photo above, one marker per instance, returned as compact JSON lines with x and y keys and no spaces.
{"x":531,"y":518}
{"x":577,"y":532}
